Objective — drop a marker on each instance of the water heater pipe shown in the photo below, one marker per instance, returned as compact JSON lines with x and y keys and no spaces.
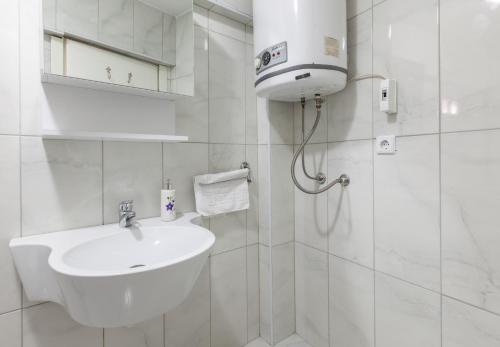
{"x":343,"y":180}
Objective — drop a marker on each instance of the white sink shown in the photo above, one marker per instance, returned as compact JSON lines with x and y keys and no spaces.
{"x":107,"y":276}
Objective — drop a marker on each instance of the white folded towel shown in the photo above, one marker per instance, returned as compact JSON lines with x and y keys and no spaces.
{"x":222,"y":192}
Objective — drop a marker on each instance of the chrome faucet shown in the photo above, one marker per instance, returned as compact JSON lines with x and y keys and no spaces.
{"x":126,"y":214}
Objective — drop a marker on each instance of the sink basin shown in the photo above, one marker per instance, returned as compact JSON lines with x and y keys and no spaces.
{"x":106,"y":276}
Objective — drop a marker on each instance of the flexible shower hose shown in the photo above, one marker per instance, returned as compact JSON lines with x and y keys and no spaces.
{"x":343,"y":180}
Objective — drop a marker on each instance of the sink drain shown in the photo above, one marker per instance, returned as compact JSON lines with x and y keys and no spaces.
{"x":136,"y":266}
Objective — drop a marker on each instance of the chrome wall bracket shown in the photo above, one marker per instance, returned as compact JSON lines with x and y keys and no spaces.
{"x":245,"y":165}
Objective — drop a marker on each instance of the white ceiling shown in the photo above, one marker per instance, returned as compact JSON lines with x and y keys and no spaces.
{"x":173,"y":7}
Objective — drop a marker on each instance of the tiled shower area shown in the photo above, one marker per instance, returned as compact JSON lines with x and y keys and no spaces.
{"x":407,"y":254}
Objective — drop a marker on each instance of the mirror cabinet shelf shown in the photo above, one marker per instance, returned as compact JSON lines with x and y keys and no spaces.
{"x":143,"y":47}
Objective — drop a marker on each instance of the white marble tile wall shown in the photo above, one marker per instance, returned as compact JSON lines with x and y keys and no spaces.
{"x":471,"y":263}
{"x":352,"y":304}
{"x":226,"y":87}
{"x":283,"y":291}
{"x":230,"y":229}
{"x":350,"y":111}
{"x":282,"y":195}
{"x":170,"y":38}
{"x":405,"y":47}
{"x":275,"y":136}
{"x":183,"y":41}
{"x":411,"y":252}
{"x":311,"y":211}
{"x":148,"y":30}
{"x":116,"y":23}
{"x":355,"y":7}
{"x":189,"y":323}
{"x":350,"y":210}
{"x":406,"y":223}
{"x":144,"y":334}
{"x":48,"y":325}
{"x":9,"y":69}
{"x":469,"y":87}
{"x":406,"y":315}
{"x":192,"y":113}
{"x":79,"y":17}
{"x":125,"y":177}
{"x":265,"y":289}
{"x":466,"y":325}
{"x":50,"y":185}
{"x":10,"y":298}
{"x":61,"y":184}
{"x":10,"y":326}
{"x":311,"y":293}
{"x":411,"y":245}
{"x":228,"y":298}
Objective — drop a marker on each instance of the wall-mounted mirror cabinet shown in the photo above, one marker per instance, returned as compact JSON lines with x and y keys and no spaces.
{"x":143,"y":47}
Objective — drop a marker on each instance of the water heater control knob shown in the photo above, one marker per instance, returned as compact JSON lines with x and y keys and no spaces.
{"x":258,"y":63}
{"x":266,"y":58}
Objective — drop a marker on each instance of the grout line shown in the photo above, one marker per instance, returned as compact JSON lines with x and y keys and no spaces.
{"x":328,"y":235}
{"x":164,"y":327}
{"x":11,"y":311}
{"x":209,"y":144}
{"x":19,"y":87}
{"x":336,"y":256}
{"x":374,"y":332}
{"x":379,"y":3}
{"x":35,"y":305}
{"x":277,"y":244}
{"x":224,"y":34}
{"x":471,"y":305}
{"x":247,"y":291}
{"x":440,"y":171}
{"x":269,"y":233}
{"x":163,"y":165}
{"x":210,"y":300}
{"x":102,"y":183}
{"x":228,"y":251}
{"x":359,"y":14}
{"x":276,"y":144}
{"x":246,"y":243}
{"x":470,"y":131}
{"x":407,"y":282}
{"x":19,"y":110}
{"x":294,"y":246}
{"x":209,"y":90}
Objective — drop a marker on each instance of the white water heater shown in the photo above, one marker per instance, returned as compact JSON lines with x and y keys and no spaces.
{"x":300,"y":48}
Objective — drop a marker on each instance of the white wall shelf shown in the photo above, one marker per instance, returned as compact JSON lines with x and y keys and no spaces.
{"x":109,"y":136}
{"x":89,"y":84}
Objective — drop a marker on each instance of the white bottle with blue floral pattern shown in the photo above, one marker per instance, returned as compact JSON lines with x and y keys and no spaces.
{"x":167,"y":198}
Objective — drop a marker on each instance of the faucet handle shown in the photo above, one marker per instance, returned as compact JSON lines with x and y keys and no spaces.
{"x":126,"y":206}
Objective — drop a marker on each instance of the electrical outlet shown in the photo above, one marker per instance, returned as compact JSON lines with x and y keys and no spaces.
{"x":386,"y":144}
